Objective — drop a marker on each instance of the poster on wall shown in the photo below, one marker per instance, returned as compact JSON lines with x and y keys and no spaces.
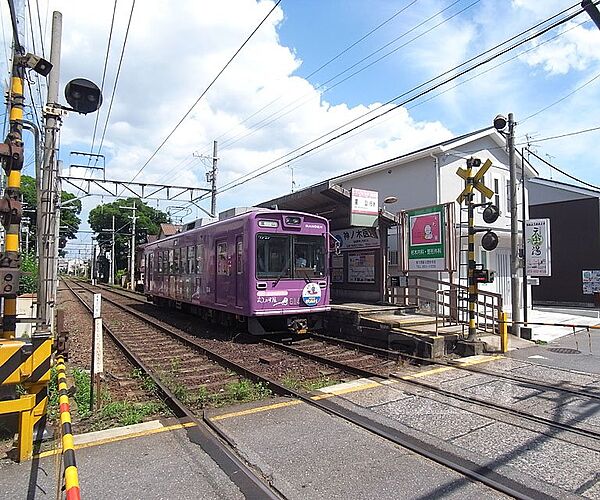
{"x":364,"y":209}
{"x":591,"y":281}
{"x":425,"y":235}
{"x":361,"y":268}
{"x":337,"y":261}
{"x":537,"y":247}
{"x":337,"y":275}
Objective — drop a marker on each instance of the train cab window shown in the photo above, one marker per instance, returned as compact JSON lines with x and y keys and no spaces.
{"x":171,"y":262}
{"x":222,"y":267}
{"x":309,"y":260}
{"x":273,"y":256}
{"x":199,"y":259}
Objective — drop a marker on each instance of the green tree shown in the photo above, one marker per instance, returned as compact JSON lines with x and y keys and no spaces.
{"x":69,"y":214}
{"x":148,"y":222}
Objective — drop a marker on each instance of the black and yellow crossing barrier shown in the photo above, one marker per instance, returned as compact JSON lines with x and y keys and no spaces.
{"x":71,"y":474}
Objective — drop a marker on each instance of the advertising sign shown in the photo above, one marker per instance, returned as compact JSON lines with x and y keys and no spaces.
{"x":365,"y":207}
{"x":311,"y":294}
{"x":591,"y":281}
{"x":355,"y":238}
{"x":537,"y":247}
{"x":361,"y":268}
{"x":425,"y":232}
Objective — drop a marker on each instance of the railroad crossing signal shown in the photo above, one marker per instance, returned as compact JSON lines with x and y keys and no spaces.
{"x":477,"y":180}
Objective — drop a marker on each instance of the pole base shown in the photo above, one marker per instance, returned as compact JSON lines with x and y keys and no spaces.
{"x":470,"y":347}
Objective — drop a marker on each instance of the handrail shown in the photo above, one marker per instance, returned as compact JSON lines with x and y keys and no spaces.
{"x":71,"y":474}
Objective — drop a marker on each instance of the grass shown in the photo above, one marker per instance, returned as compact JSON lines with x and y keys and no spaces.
{"x":146,"y":381}
{"x":306,"y":385}
{"x":242,"y":391}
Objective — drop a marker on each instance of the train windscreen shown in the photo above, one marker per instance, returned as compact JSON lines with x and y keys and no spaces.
{"x":284,"y":256}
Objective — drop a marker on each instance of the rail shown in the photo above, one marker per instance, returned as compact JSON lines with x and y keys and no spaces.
{"x":71,"y":475}
{"x":448,"y":301}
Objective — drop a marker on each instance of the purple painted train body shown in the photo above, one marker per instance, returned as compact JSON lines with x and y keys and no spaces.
{"x":265,"y":267}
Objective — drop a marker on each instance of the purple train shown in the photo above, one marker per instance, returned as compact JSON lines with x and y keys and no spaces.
{"x":265,"y":268}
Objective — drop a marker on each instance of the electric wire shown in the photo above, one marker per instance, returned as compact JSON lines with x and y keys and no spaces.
{"x":186,"y":114}
{"x":323,"y":66}
{"x":568,"y":134}
{"x":13,"y":19}
{"x":566,"y":174}
{"x":37,"y":7}
{"x":112,"y":25}
{"x":562,"y":98}
{"x":277,"y":114}
{"x":116,"y":82}
{"x":256,"y":173}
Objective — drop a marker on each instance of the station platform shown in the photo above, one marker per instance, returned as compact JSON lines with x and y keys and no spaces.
{"x":151,"y":460}
{"x":394,"y":327}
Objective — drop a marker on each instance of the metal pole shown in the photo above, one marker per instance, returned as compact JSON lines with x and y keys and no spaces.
{"x":47,"y":195}
{"x":471,"y":250}
{"x":132,"y":249}
{"x":213,"y":177}
{"x":112,"y":254}
{"x":523,"y":223}
{"x":515,"y":282}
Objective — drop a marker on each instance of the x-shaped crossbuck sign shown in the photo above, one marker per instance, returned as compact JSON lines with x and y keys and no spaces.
{"x":477,"y":181}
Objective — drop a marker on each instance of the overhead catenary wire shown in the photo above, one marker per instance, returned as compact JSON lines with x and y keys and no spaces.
{"x":257,"y":172}
{"x":187,"y":113}
{"x":114,"y":89}
{"x":112,"y":25}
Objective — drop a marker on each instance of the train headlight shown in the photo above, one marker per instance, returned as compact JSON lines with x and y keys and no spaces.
{"x":268,"y":223}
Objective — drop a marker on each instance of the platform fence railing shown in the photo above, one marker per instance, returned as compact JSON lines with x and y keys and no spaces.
{"x":448,"y":302}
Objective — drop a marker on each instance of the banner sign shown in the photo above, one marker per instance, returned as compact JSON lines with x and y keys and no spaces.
{"x":364,"y":210}
{"x":537,"y":247}
{"x":425,"y":230}
{"x":355,"y":238}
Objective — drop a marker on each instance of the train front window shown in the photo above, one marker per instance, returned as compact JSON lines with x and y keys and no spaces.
{"x":273,"y":256}
{"x":289,"y":257}
{"x":309,"y":260}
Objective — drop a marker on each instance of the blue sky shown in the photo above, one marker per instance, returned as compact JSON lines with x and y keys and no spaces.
{"x":172,"y":54}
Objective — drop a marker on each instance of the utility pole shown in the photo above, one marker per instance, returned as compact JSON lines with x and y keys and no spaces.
{"x":213,"y":178}
{"x":132,"y":248}
{"x":47,"y":198}
{"x":515,"y":282}
{"x":111,"y":280}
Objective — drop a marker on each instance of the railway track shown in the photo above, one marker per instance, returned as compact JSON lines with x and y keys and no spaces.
{"x":355,"y":363}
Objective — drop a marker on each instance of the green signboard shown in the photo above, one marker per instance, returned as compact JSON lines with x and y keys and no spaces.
{"x":425,"y":231}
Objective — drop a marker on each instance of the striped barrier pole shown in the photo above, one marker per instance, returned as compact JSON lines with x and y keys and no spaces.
{"x":71,"y":474}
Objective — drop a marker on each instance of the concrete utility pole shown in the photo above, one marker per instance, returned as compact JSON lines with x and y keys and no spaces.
{"x":132,"y":248}
{"x":47,"y":196}
{"x":213,"y":178}
{"x":515,"y":281}
{"x":111,"y":280}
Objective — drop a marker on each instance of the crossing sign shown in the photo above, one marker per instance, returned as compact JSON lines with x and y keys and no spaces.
{"x":477,"y":181}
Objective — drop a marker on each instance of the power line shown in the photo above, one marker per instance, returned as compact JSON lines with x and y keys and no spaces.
{"x":563,"y":172}
{"x":112,"y":24}
{"x":562,"y":98}
{"x":114,"y":90}
{"x":568,"y":134}
{"x":324,"y":65}
{"x":256,"y":173}
{"x":203,"y":93}
{"x":261,"y":124}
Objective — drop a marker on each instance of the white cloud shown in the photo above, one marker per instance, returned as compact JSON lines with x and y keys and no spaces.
{"x":577,"y":49}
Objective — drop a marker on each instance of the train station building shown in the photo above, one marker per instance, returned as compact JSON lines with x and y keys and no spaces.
{"x":427,"y":177}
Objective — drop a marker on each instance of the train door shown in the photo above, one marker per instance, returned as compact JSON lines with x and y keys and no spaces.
{"x":239,"y":271}
{"x":222,"y":276}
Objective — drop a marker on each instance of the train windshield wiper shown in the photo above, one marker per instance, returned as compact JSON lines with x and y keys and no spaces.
{"x":285,"y":268}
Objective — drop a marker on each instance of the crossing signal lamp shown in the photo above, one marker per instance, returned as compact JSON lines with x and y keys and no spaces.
{"x":483,"y":275}
{"x":83,"y":95}
{"x":489,"y":241}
